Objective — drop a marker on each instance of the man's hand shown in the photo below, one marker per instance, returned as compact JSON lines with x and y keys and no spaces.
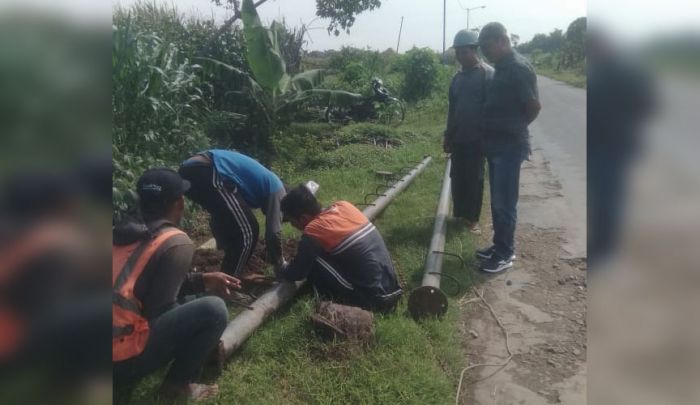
{"x":446,"y":145}
{"x":220,"y":283}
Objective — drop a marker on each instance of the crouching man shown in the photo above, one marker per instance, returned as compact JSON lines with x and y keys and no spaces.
{"x":340,"y":253}
{"x":151,"y":260}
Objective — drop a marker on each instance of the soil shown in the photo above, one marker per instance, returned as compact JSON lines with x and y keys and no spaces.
{"x":207,"y":260}
{"x":541,"y":302}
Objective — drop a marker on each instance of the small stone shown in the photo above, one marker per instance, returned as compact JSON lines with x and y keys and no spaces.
{"x":508,"y":282}
{"x":555,"y":265}
{"x":576,"y":352}
{"x":580,"y":322}
{"x":580,"y":288}
{"x":552,"y":363}
{"x":561,"y":282}
{"x":473,"y":333}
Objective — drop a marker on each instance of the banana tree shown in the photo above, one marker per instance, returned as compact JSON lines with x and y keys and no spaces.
{"x":276,"y":92}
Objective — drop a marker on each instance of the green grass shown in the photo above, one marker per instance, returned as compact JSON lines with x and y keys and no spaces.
{"x":411,"y":362}
{"x":574,"y":78}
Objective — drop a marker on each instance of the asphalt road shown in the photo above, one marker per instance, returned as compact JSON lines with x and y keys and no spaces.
{"x":559,"y":134}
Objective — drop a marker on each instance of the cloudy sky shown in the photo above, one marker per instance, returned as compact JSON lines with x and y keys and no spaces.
{"x":422,"y":26}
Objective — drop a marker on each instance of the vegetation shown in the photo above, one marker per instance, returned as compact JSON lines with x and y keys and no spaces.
{"x":560,"y":55}
{"x":183,"y":85}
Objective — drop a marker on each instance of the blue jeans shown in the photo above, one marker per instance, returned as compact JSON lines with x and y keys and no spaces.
{"x":504,"y":183}
{"x":185,"y":334}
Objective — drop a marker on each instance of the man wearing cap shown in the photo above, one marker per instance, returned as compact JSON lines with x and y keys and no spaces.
{"x":462,"y":138}
{"x":340,"y":253}
{"x":229,"y":185}
{"x":151,"y":260}
{"x":512,"y":103}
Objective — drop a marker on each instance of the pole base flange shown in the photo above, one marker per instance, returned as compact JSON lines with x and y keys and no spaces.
{"x":427,"y":301}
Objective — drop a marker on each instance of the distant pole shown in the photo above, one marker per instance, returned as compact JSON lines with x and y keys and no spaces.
{"x":469,"y":10}
{"x":399,"y":41}
{"x":444,"y":18}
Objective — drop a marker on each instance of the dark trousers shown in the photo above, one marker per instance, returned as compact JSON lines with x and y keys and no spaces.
{"x":232,"y":222}
{"x":186,"y":335}
{"x":328,"y":282}
{"x":467,"y":176}
{"x":504,"y":183}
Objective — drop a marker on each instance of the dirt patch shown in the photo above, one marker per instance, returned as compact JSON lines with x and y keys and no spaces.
{"x":207,"y":260}
{"x":542,"y":303}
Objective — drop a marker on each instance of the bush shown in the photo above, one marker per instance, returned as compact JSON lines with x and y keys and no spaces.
{"x":421,"y":70}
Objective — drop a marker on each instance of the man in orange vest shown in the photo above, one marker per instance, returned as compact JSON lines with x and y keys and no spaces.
{"x":151,"y":260}
{"x":340,"y":253}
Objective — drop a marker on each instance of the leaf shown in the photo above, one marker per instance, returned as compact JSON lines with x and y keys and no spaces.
{"x":263,"y":52}
{"x":308,"y":80}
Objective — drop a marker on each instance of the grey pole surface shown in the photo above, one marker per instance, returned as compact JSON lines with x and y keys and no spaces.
{"x":380,"y":203}
{"x":444,"y":21}
{"x":429,"y":299}
{"x":399,"y":40}
{"x":433,"y":264}
{"x":243,"y":325}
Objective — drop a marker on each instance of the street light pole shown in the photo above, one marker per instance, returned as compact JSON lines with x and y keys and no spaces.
{"x":444,"y":18}
{"x":469,"y":10}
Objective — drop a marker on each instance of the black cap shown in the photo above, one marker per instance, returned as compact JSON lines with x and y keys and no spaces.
{"x":160,"y":186}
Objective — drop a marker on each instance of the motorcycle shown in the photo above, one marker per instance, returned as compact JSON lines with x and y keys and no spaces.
{"x":380,"y":107}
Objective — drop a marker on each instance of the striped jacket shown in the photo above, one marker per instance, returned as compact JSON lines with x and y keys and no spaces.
{"x":345,"y":243}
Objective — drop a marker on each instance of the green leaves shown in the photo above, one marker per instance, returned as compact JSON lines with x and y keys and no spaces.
{"x":264,"y":56}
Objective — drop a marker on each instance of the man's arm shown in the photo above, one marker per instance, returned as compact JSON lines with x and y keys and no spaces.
{"x":166,"y":276}
{"x":527,"y":92}
{"x":532,"y":110}
{"x":273,"y":228}
{"x":449,"y":129}
{"x":307,"y":252}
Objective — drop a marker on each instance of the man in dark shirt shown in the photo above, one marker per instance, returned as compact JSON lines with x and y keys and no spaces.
{"x":341,"y":253}
{"x":462,"y":137}
{"x":512,"y":103}
{"x":184,"y":334}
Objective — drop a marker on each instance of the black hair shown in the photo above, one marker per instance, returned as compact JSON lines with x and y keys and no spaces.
{"x":299,"y":201}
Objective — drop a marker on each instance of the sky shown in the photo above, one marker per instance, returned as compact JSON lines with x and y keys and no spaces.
{"x":422,"y":26}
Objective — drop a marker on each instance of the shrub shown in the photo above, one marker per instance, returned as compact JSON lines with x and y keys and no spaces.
{"x":420,"y":67}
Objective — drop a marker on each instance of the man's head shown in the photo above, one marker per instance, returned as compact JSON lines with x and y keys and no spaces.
{"x":300,"y":206}
{"x":494,"y":41}
{"x":466,"y":46}
{"x":160,"y":193}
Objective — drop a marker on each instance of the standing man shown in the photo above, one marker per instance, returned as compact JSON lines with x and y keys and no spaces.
{"x":462,"y":137}
{"x":151,"y":260}
{"x":512,"y":103}
{"x":229,"y":185}
{"x":341,"y":253}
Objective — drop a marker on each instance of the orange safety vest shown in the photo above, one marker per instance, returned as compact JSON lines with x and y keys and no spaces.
{"x":129,"y":328}
{"x":13,"y":259}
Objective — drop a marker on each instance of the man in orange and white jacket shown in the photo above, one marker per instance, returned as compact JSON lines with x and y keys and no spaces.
{"x":341,"y":253}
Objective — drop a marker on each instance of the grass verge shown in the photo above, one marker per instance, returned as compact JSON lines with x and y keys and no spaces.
{"x":411,"y":362}
{"x":574,"y":78}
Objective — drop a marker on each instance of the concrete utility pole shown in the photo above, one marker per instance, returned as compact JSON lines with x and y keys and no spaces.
{"x":399,"y":41}
{"x":444,"y":17}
